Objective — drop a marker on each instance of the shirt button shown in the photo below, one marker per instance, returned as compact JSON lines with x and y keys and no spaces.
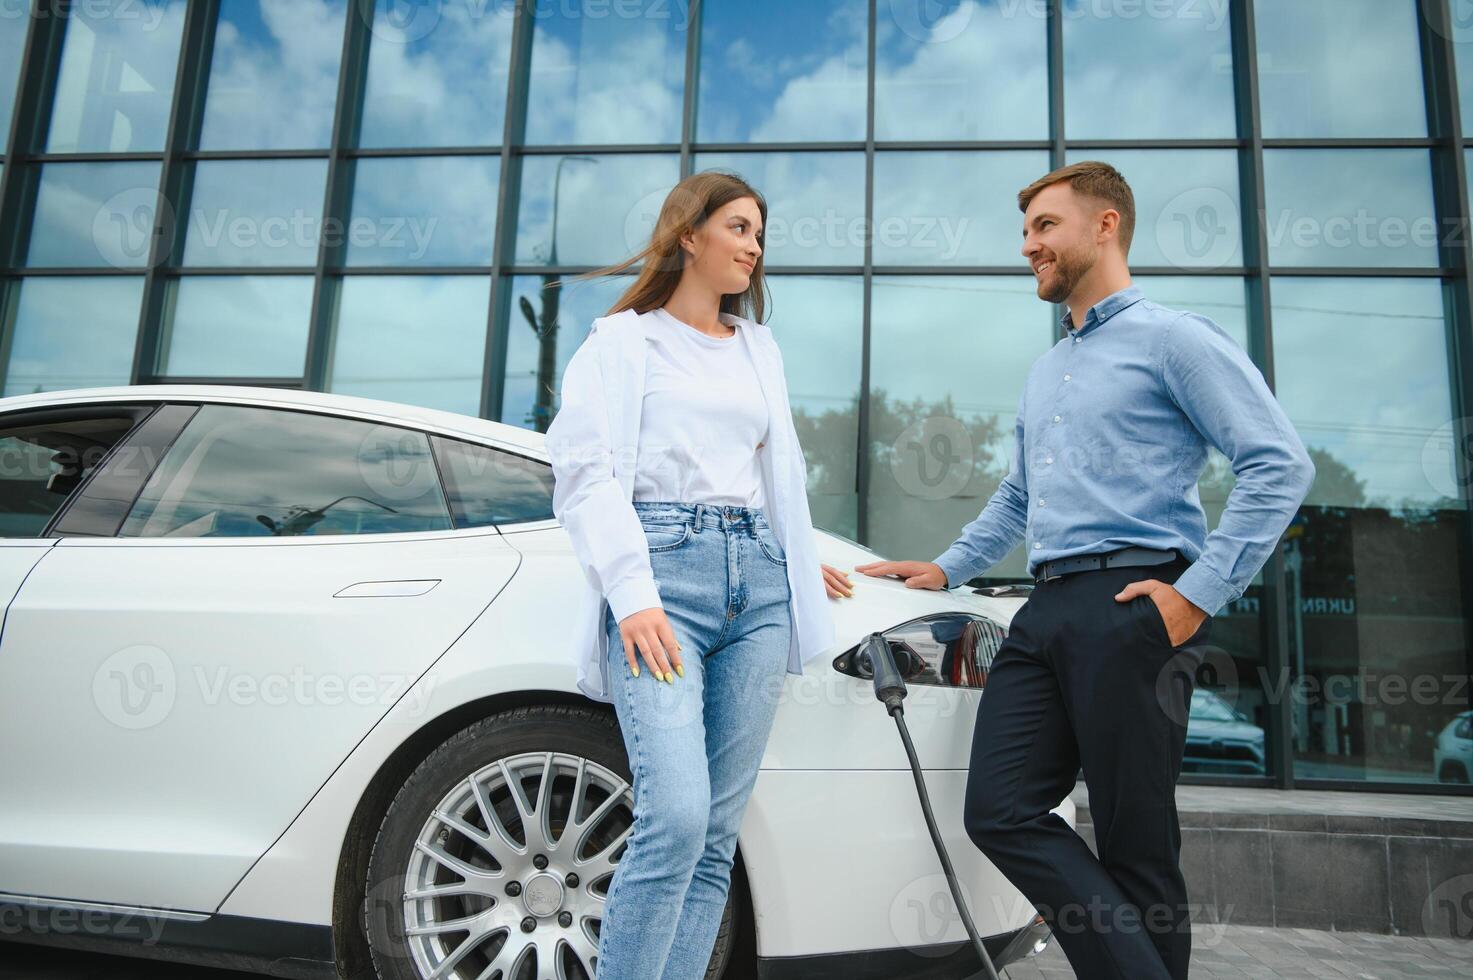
{"x":1049,"y":461}
{"x":1042,"y":502}
{"x":1058,"y":418}
{"x":1037,"y":545}
{"x":1077,"y":339}
{"x":1068,"y":377}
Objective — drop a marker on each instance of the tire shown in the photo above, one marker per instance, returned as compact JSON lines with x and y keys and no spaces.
{"x":1452,"y":772}
{"x":435,"y":839}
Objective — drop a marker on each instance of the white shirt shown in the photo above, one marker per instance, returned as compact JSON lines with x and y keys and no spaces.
{"x":591,"y":444}
{"x":702,"y":421}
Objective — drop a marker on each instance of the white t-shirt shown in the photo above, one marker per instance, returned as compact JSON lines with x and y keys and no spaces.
{"x":702,"y":420}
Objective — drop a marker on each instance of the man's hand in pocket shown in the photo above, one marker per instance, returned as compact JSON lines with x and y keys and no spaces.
{"x":1177,"y":612}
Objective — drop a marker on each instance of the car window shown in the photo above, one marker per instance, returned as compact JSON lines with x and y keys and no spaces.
{"x":487,"y":486}
{"x":41,"y":463}
{"x":238,"y":471}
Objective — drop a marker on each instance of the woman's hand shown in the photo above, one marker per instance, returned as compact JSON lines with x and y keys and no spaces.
{"x":651,"y":633}
{"x":837,"y":583}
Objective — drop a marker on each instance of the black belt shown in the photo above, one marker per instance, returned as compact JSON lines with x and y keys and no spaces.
{"x":1120,"y":558}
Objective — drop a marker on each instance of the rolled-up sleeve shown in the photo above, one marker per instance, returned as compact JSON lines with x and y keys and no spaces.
{"x":587,"y":498}
{"x":1223,"y":394}
{"x":1001,"y":524}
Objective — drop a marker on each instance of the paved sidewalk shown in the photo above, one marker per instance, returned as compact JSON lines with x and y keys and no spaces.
{"x":1262,"y":953}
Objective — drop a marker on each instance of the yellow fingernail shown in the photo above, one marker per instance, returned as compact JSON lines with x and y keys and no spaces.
{"x":680,"y":669}
{"x":669,"y":677}
{"x":636,"y":672}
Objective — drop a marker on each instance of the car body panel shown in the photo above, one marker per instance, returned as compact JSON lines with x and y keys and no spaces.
{"x":190,"y":695}
{"x":266,"y":808}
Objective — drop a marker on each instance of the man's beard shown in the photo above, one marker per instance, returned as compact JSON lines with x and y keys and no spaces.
{"x":1068,"y":269}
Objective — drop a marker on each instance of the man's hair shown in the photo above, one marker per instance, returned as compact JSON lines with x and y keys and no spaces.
{"x":1096,"y":179}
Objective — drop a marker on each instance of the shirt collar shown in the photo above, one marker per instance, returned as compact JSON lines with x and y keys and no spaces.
{"x":1103,"y":310}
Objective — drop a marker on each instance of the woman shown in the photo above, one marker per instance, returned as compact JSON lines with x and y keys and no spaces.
{"x":706,"y":587}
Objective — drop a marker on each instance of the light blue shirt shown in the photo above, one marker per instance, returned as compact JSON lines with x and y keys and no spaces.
{"x":1111,"y":436}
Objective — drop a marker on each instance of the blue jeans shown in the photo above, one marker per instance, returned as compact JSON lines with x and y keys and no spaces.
{"x":694,"y":744}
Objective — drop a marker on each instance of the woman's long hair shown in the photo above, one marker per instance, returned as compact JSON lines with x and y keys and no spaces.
{"x":687,"y":207}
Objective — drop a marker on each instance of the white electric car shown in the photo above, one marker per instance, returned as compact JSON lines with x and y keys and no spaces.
{"x":285,"y":686}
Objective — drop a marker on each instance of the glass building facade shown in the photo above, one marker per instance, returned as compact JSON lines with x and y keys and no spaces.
{"x":388,"y":198}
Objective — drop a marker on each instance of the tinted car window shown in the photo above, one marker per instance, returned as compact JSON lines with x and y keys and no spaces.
{"x":487,"y":486}
{"x":254,"y":472}
{"x":42,"y":463}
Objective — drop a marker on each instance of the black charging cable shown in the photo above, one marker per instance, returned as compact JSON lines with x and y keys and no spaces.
{"x":890,"y":691}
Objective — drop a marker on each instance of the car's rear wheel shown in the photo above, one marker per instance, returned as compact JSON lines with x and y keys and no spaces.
{"x":1453,"y":772}
{"x":493,"y":861}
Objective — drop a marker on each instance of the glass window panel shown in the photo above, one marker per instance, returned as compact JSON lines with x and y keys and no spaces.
{"x":487,"y":486}
{"x":815,"y":203}
{"x":1373,"y":575}
{"x":1222,"y":299}
{"x":1339,"y":68}
{"x":13,"y":26}
{"x":255,"y":212}
{"x":961,"y":70}
{"x":1462,"y":34}
{"x":236,"y":326}
{"x":1126,"y":67}
{"x":1369,"y":406}
{"x":1350,"y":208}
{"x":420,"y":340}
{"x":550,"y":317}
{"x":947,"y":361}
{"x":239,"y":471}
{"x":116,"y":81}
{"x":1187,"y":205}
{"x":952,"y":208}
{"x":817,"y":321}
{"x":73,"y":332}
{"x":585,"y":86}
{"x":94,"y":214}
{"x":605,"y":206}
{"x":776,"y":71}
{"x":274,"y":74}
{"x":42,"y":463}
{"x":424,"y":211}
{"x":438,"y":76}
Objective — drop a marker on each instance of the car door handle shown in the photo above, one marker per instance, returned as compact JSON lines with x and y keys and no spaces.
{"x":398,"y":587}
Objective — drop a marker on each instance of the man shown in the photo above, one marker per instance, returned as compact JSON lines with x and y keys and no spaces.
{"x":1111,"y":437}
